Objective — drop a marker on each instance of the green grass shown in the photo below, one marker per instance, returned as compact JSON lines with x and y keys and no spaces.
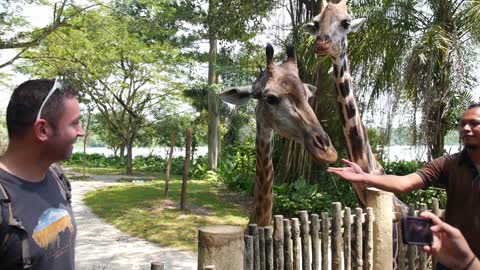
{"x":142,"y":210}
{"x":113,"y":171}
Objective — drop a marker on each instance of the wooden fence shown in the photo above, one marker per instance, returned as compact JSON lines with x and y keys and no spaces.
{"x":343,"y":240}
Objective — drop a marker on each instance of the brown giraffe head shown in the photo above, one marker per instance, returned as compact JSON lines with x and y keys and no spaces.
{"x":331,"y":28}
{"x":283,"y":106}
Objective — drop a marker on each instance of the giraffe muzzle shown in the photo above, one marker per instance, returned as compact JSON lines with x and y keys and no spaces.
{"x":320,"y":148}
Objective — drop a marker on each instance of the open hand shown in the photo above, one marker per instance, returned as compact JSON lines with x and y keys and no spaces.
{"x":353,"y":173}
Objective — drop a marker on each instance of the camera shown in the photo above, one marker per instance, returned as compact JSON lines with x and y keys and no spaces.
{"x":416,"y":231}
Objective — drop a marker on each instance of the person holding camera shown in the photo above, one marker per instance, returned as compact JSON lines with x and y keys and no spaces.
{"x":449,"y":246}
{"x":458,"y":173}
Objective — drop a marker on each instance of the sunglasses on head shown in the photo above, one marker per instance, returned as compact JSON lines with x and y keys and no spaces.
{"x":56,"y":85}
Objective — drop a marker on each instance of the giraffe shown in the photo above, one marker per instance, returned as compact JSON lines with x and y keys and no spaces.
{"x":330,"y":29}
{"x":282,"y":107}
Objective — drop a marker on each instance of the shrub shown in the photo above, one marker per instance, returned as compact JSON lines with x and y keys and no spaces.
{"x":292,"y":197}
{"x":418,"y":196}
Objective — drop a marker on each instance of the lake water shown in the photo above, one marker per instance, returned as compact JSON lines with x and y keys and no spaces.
{"x":394,"y":152}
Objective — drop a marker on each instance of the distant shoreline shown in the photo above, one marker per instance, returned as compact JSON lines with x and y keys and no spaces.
{"x":392,"y":153}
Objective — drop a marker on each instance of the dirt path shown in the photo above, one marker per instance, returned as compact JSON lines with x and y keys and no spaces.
{"x":102,"y":246}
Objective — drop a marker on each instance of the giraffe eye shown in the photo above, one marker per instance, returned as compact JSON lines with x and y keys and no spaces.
{"x":272,"y":99}
{"x":345,"y":24}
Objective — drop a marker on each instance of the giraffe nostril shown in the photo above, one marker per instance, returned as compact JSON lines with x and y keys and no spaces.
{"x":322,"y":140}
{"x":322,"y":38}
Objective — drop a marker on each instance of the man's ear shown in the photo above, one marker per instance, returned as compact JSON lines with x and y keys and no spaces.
{"x":237,"y":95}
{"x":42,"y":130}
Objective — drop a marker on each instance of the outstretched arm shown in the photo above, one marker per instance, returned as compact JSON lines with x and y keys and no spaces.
{"x":449,"y":246}
{"x":393,"y":183}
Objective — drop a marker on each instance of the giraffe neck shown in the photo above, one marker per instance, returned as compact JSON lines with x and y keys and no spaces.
{"x":359,"y":149}
{"x":264,"y":177}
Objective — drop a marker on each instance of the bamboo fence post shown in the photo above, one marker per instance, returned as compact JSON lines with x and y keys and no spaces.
{"x":347,"y":239}
{"x":436,"y":211}
{"x":325,"y":228}
{"x":248,"y":252}
{"x":411,"y":250}
{"x":297,"y":252}
{"x":268,"y":249}
{"x":261,"y":237}
{"x":315,"y":223}
{"x":358,"y":239}
{"x":288,"y":250}
{"x":305,"y":235}
{"x":336,"y":236}
{"x":186,"y":166}
{"x":423,"y":259}
{"x":278,"y":242}
{"x":369,"y":238}
{"x":157,"y":266}
{"x":401,"y":245}
{"x":253,"y":231}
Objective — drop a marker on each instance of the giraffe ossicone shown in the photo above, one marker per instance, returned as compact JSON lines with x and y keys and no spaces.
{"x":283,"y":107}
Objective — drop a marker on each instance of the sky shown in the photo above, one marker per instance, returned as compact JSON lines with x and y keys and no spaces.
{"x":37,"y":16}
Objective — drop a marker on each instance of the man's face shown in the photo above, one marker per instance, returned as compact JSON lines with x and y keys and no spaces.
{"x":68,"y":129}
{"x":470,"y":128}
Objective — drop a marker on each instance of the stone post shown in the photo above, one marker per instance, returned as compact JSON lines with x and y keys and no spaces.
{"x":382,"y":204}
{"x":221,"y":246}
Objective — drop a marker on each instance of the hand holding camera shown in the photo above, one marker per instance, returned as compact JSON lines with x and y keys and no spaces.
{"x":449,"y":246}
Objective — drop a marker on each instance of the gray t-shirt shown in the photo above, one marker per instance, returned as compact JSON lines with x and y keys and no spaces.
{"x":48,"y":219}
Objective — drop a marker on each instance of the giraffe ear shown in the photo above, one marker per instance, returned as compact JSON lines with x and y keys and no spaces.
{"x":356,"y":24}
{"x":310,"y":89}
{"x":237,"y":95}
{"x":310,"y":28}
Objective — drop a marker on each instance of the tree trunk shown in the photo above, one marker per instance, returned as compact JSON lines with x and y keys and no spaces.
{"x":213,"y":119}
{"x":122,"y":150}
{"x":89,"y":114}
{"x":169,"y":163}
{"x":129,"y":164}
{"x":188,"y":145}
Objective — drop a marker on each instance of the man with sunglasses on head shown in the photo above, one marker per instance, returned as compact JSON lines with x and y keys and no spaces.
{"x":458,"y":173}
{"x":37,"y":226}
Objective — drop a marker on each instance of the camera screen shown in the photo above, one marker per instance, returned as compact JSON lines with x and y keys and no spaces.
{"x":417,"y":231}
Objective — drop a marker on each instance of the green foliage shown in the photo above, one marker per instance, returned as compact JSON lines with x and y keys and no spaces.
{"x":236,"y":171}
{"x":292,"y":197}
{"x":418,"y":196}
{"x":3,"y":133}
{"x":401,"y":167}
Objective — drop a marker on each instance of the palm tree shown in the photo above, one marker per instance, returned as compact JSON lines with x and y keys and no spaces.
{"x":420,"y":51}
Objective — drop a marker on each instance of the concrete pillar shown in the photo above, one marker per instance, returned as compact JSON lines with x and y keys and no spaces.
{"x":221,"y":246}
{"x":382,"y":204}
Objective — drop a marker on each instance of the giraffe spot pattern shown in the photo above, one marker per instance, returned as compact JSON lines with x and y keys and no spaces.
{"x":344,"y":88}
{"x":357,"y":143}
{"x":351,"y":110}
